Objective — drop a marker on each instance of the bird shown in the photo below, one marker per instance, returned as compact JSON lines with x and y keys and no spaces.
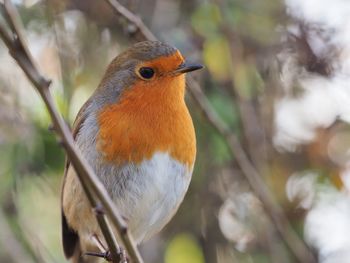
{"x":137,"y":134}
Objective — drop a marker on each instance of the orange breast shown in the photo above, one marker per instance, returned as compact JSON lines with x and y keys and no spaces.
{"x":149,"y":117}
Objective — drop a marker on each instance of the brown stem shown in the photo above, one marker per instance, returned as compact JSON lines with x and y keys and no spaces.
{"x":92,"y":186}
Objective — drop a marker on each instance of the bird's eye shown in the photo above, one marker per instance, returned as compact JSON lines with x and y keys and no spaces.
{"x":146,"y":73}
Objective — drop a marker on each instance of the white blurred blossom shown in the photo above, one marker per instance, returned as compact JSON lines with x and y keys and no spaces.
{"x":235,"y":219}
{"x":331,"y":13}
{"x":322,"y":100}
{"x":301,"y":188}
{"x":328,"y":224}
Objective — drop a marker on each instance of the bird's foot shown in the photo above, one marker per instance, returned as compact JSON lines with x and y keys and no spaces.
{"x":108,"y":257}
{"x":105,"y":255}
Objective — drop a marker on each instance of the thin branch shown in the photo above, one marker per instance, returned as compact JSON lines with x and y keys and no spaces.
{"x":133,"y":19}
{"x":90,"y":182}
{"x":275,"y":212}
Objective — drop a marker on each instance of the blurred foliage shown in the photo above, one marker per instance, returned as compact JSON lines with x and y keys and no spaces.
{"x":183,"y":248}
{"x":216,"y":55}
{"x":251,"y":68}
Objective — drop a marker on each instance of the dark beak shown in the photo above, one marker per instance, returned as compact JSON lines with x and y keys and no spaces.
{"x":187,"y":67}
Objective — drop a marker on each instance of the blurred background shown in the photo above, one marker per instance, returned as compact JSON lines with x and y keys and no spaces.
{"x":277,"y":72}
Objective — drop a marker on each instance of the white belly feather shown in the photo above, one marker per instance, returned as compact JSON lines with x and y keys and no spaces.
{"x":148,"y":194}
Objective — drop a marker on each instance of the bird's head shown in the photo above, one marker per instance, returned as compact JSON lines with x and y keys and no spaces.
{"x":146,"y":66}
{"x":141,"y":106}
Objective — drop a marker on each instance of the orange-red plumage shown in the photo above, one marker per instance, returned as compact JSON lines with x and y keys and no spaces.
{"x":149,"y":117}
{"x":138,"y":136}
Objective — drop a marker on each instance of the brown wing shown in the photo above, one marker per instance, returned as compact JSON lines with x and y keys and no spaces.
{"x":70,"y":238}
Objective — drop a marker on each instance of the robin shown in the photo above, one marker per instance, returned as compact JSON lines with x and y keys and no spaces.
{"x":137,"y":134}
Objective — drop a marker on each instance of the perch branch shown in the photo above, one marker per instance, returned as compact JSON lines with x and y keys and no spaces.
{"x":92,"y":186}
{"x":274,"y":211}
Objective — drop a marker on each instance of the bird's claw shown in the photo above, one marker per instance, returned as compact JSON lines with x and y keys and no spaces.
{"x":108,"y":257}
{"x":105,"y":255}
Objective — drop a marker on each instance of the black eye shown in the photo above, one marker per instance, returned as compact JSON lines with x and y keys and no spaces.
{"x":146,"y":73}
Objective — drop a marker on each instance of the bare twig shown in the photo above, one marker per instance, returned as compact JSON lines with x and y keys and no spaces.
{"x":90,"y":182}
{"x":133,"y":19}
{"x":276,"y":214}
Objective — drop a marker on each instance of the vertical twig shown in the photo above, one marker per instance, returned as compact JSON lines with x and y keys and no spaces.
{"x":91,"y":184}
